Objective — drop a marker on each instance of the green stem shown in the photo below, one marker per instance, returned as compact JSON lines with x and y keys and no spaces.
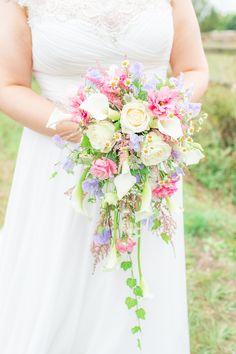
{"x":115,"y":225}
{"x":139,"y":255}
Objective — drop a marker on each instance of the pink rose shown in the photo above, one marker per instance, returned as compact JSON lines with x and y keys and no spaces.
{"x":165,"y":190}
{"x":124,"y":246}
{"x":163,"y":102}
{"x":103,"y":168}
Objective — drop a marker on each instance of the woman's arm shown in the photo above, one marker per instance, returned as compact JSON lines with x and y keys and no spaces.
{"x":187,"y":53}
{"x":17,"y":99}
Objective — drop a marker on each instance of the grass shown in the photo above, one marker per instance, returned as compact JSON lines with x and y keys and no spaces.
{"x":210,"y":233}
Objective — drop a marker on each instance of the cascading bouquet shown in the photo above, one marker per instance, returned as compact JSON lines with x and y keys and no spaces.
{"x":137,"y":139}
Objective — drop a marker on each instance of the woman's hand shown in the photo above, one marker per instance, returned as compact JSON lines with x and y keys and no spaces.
{"x":68,"y":130}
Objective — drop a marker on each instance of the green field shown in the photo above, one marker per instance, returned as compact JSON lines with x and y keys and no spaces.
{"x":210,"y":224}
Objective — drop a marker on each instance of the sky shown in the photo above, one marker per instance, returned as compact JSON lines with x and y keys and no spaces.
{"x":225,"y":5}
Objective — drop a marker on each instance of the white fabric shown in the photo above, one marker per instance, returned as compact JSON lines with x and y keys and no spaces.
{"x":50,"y":303}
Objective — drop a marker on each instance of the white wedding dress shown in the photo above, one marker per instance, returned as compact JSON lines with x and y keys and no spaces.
{"x":50,"y":302}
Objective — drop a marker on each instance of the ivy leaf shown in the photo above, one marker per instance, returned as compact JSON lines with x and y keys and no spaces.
{"x":138,"y":291}
{"x":126,"y":265}
{"x":130,"y":302}
{"x":137,"y":83}
{"x":85,"y":142}
{"x":165,"y":237}
{"x":131,"y":282}
{"x":156,"y":224}
{"x":136,"y":329}
{"x":141,"y":314}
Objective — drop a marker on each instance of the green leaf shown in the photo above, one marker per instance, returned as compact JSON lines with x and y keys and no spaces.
{"x":136,"y":329}
{"x":143,"y":95}
{"x":117,"y":126}
{"x":141,"y":314}
{"x":156,"y":224}
{"x":165,"y":237}
{"x":126,"y":265}
{"x":54,"y":174}
{"x":131,"y":282}
{"x":137,"y":83}
{"x":85,"y":142}
{"x":139,"y":344}
{"x":138,"y":291}
{"x":130,"y":302}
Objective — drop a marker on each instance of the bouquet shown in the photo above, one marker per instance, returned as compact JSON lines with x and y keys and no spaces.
{"x":137,"y":140}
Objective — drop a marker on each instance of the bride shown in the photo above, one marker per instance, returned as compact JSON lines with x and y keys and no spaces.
{"x":50,"y":302}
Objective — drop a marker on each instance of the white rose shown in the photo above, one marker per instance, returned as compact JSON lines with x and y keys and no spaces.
{"x":134,"y":117}
{"x":100,"y":135}
{"x":154,"y":150}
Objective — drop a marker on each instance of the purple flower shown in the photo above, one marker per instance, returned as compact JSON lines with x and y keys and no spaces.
{"x":138,"y":178}
{"x":92,"y":186}
{"x":178,"y":82}
{"x":175,"y":154}
{"x":135,"y":142}
{"x":93,"y":74}
{"x":191,"y":109}
{"x":136,"y":70}
{"x":141,"y":166}
{"x":67,"y":164}
{"x":103,"y":238}
{"x":58,"y":141}
{"x":150,"y":85}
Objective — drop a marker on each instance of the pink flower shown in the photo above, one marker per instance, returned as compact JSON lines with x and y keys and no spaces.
{"x":103,"y":168}
{"x":165,"y":190}
{"x":124,"y":246}
{"x":163,"y":101}
{"x":79,"y":115}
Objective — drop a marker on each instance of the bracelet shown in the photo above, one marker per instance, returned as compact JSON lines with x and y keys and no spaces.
{"x":56,"y":116}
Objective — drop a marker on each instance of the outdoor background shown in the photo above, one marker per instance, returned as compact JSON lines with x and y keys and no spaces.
{"x":210,"y":202}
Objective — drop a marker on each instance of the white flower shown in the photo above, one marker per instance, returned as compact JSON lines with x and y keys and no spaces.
{"x":112,"y":259}
{"x":100,"y":135}
{"x":154,"y":150}
{"x":111,"y":198}
{"x":170,"y":126}
{"x":97,"y":105}
{"x":77,"y":200}
{"x":134,"y":117}
{"x":125,"y":181}
{"x":146,"y":207}
{"x":192,"y":156}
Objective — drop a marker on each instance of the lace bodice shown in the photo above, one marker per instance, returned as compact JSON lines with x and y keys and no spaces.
{"x":69,"y":36}
{"x":111,"y":17}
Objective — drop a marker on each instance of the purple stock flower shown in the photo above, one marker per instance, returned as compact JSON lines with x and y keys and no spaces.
{"x":135,"y":140}
{"x":175,"y":154}
{"x":92,"y":186}
{"x":59,"y":141}
{"x":191,"y":109}
{"x":136,"y":70}
{"x":67,"y":164}
{"x":93,"y":74}
{"x":178,"y":82}
{"x":103,"y":238}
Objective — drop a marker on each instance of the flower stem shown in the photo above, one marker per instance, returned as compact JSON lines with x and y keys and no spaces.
{"x":139,"y":255}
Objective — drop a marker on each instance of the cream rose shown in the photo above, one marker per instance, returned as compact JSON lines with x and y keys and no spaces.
{"x":100,"y":135}
{"x":154,"y":150}
{"x":134,"y":117}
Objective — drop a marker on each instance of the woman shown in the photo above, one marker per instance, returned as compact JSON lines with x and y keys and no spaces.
{"x":50,"y":303}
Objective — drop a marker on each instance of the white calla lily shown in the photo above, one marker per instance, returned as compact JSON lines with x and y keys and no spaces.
{"x":171,"y":127}
{"x":192,"y":156}
{"x":146,"y":207}
{"x":112,"y":259}
{"x":97,"y":105}
{"x":77,"y":200}
{"x":124,"y":181}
